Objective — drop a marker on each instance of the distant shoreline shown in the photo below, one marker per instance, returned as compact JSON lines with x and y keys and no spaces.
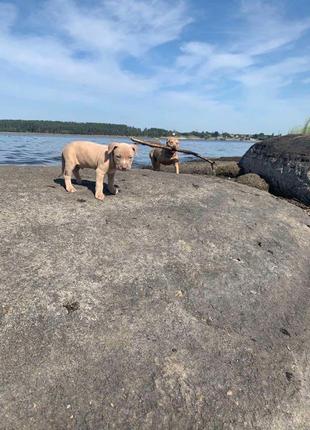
{"x":30,"y":133}
{"x":48,"y":127}
{"x":213,"y":139}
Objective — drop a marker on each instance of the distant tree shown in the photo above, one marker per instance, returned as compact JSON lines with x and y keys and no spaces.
{"x":96,"y":128}
{"x":66,"y":127}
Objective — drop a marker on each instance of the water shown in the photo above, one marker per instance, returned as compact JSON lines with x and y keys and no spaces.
{"x":45,"y":149}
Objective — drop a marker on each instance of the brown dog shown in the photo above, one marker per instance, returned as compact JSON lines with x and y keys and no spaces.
{"x":167,"y":156}
{"x":105,"y":159}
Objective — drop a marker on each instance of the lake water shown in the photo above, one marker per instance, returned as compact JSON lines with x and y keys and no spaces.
{"x":45,"y":149}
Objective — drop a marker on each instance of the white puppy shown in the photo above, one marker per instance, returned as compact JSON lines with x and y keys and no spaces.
{"x":105,"y":159}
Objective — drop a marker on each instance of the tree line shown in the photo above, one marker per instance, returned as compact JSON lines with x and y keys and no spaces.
{"x":68,"y":127}
{"x":98,"y":128}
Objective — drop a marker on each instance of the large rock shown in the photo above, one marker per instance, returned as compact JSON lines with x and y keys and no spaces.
{"x":284,"y":162}
{"x":182,"y":302}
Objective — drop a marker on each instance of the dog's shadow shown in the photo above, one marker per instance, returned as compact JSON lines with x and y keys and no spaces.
{"x":91,"y":185}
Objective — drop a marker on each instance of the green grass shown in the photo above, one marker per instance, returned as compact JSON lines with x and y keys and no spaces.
{"x":305,"y":129}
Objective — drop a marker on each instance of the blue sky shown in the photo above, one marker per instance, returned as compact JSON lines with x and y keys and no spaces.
{"x":226,"y":65}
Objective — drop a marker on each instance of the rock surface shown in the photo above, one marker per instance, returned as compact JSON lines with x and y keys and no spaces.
{"x":253,"y":180}
{"x":284,"y":162}
{"x":182,"y":303}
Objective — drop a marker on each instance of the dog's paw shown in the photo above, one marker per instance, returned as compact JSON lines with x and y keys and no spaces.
{"x":71,"y":190}
{"x":113,"y":191}
{"x":99,"y":196}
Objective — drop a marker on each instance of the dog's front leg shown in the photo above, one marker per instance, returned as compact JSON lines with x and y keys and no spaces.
{"x":111,"y":185}
{"x":177,"y":167}
{"x":99,"y":184}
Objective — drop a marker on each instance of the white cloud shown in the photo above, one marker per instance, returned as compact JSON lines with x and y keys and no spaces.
{"x":266,"y":27}
{"x":112,"y":32}
{"x":208,"y":58}
{"x":264,"y":30}
{"x":77,"y":58}
{"x":278,"y":75}
{"x":121,"y":26}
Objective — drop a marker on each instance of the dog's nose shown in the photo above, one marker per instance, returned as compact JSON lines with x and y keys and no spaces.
{"x":124,"y":168}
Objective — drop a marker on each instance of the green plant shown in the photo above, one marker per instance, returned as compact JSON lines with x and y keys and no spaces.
{"x":305,"y":129}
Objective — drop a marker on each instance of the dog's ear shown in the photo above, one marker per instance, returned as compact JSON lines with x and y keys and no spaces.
{"x":111,"y":147}
{"x":134,"y":148}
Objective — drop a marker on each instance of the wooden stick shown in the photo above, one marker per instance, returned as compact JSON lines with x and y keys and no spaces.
{"x":184,"y":151}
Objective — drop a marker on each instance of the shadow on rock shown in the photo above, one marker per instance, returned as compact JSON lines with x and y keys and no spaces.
{"x":90,"y":185}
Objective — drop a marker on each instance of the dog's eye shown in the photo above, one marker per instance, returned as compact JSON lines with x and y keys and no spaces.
{"x":118,"y":156}
{"x":130,"y":158}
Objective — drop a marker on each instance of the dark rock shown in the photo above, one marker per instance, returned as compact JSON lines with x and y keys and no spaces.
{"x":179,"y":322}
{"x":284,"y":162}
{"x":253,"y":180}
